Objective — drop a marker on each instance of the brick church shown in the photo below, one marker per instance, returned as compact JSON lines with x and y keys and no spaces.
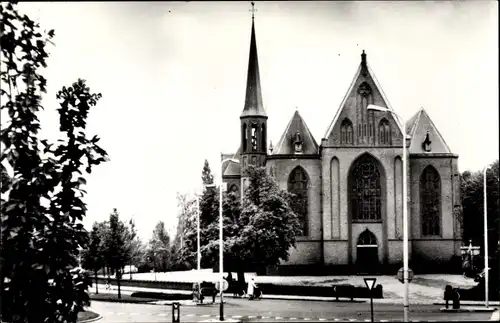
{"x":349,"y":188}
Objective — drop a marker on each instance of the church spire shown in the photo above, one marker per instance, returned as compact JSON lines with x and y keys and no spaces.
{"x":253,"y":99}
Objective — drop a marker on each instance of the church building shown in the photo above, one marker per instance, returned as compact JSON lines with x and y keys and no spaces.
{"x":349,"y":187}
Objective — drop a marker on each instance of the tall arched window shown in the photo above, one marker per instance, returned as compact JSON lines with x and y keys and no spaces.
{"x":263,"y":134}
{"x":244,"y":137}
{"x":365,"y":190}
{"x":430,"y":201}
{"x":384,"y":132}
{"x":346,"y":133}
{"x":297,"y":184}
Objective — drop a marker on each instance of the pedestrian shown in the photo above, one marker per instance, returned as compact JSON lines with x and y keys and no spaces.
{"x":108,"y":283}
{"x":251,"y":288}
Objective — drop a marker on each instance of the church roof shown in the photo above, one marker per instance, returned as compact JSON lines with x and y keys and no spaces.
{"x":253,"y":100}
{"x":364,"y":67}
{"x":419,"y":127}
{"x":285,"y":144}
{"x":229,"y":167}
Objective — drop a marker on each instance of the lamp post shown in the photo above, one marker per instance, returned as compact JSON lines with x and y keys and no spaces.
{"x":221,"y":241}
{"x":485,"y":209}
{"x":405,"y":211}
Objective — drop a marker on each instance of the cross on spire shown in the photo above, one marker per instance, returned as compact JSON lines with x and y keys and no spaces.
{"x":253,"y":9}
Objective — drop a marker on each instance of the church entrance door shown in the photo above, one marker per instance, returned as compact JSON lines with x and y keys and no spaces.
{"x":367,"y":261}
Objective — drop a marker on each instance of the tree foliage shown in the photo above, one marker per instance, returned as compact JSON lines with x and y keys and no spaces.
{"x":42,"y":205}
{"x":206,"y":174}
{"x":159,"y":247}
{"x":92,"y":257}
{"x":260,"y":231}
{"x":472,"y":189}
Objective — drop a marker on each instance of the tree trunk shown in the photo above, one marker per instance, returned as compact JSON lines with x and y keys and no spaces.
{"x":95,"y":276}
{"x":241,"y":278}
{"x":118,"y":278}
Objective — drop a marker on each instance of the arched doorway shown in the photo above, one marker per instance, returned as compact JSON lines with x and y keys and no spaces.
{"x":367,"y":260}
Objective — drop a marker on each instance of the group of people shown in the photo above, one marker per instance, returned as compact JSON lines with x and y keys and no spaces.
{"x":252,"y":290}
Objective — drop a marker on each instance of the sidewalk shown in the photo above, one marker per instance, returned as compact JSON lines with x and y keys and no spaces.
{"x":129,"y":290}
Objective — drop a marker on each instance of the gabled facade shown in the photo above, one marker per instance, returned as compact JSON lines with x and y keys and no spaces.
{"x":349,"y":189}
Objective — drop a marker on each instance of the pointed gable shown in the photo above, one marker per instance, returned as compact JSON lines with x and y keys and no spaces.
{"x":286,"y":145}
{"x":364,"y":81}
{"x":231,"y":168}
{"x":425,"y":137}
{"x":253,"y":99}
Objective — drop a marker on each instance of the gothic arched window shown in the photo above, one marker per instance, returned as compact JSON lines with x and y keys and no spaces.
{"x":263,"y":134}
{"x":346,"y":133}
{"x":367,"y":238}
{"x":430,"y":201}
{"x":365,"y":190}
{"x":244,"y":137}
{"x":384,"y":132}
{"x":297,"y":184}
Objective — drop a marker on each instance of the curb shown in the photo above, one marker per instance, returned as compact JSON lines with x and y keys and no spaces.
{"x":99,"y":316}
{"x":470,"y":303}
{"x":468,"y":310}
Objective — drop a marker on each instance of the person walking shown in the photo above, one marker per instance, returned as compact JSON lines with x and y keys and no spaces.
{"x":251,"y":288}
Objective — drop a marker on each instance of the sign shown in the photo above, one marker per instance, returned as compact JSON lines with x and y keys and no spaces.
{"x":370,"y":282}
{"x":225,"y":285}
{"x":400,"y":275}
{"x":224,"y":187}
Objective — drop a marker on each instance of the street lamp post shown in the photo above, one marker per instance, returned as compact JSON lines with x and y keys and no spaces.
{"x":221,"y":241}
{"x":405,"y":210}
{"x":485,"y":209}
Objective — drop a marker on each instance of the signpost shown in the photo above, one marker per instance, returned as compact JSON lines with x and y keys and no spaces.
{"x":225,"y":286}
{"x":370,"y":283}
{"x":400,"y":275}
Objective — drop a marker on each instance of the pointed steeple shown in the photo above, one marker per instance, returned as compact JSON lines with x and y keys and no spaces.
{"x":253,"y":99}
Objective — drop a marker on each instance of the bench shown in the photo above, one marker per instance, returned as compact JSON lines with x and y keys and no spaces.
{"x":344,"y":290}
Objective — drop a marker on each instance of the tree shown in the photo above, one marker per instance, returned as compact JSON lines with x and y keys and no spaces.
{"x":472,"y":189}
{"x":115,"y":246}
{"x":133,"y":246}
{"x":42,"y":205}
{"x":92,"y":257}
{"x":259,"y":232}
{"x":206,"y":174}
{"x":159,"y":246}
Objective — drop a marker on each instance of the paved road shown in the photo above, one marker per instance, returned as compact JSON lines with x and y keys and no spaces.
{"x":279,"y":311}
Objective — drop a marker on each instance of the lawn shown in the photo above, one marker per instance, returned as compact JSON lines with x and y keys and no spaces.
{"x":423,"y":287}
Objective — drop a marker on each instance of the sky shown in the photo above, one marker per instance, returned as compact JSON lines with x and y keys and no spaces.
{"x":173,"y":74}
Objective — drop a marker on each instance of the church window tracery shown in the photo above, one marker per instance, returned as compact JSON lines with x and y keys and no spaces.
{"x":346,"y":132}
{"x":384,"y":132}
{"x":365,"y":190}
{"x":430,"y":201}
{"x":298,"y":185}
